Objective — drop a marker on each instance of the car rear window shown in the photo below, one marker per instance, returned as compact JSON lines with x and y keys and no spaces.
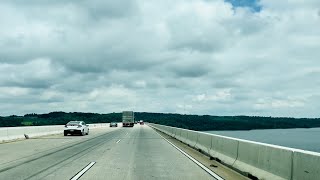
{"x":73,"y":123}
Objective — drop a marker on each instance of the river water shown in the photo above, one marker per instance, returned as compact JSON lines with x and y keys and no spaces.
{"x":306,"y":139}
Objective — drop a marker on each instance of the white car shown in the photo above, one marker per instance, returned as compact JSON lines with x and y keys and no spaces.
{"x":76,"y":127}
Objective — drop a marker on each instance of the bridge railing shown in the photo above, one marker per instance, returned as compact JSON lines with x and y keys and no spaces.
{"x":264,"y":161}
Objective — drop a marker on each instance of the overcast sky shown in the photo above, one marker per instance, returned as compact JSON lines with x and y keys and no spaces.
{"x":235,"y":57}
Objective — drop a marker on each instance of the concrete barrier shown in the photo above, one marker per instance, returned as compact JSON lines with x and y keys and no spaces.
{"x":306,"y":165}
{"x":3,"y":134}
{"x":174,"y":132}
{"x":155,"y":126}
{"x":171,"y":131}
{"x":264,"y":161}
{"x":101,"y":125}
{"x":178,"y":134}
{"x":204,"y":142}
{"x":183,"y":136}
{"x":160,"y":128}
{"x":15,"y":133}
{"x":167,"y":130}
{"x":224,"y":148}
{"x":192,"y":138}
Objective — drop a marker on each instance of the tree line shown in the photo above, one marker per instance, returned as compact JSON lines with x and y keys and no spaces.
{"x":194,"y":122}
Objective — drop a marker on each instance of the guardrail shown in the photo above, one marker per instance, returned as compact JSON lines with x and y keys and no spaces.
{"x":15,"y":133}
{"x":264,"y":161}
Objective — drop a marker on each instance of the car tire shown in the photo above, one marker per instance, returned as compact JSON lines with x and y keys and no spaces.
{"x":87,"y":132}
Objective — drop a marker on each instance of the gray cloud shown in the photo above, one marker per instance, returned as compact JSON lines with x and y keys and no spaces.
{"x":199,"y":57}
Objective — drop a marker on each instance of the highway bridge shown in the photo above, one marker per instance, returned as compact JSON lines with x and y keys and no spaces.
{"x":145,"y":152}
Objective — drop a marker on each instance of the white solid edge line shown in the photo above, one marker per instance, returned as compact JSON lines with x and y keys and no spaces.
{"x":84,"y":170}
{"x":118,"y":140}
{"x":194,"y":160}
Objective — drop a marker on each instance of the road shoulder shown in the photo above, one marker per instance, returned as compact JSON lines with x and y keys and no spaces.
{"x":218,"y":168}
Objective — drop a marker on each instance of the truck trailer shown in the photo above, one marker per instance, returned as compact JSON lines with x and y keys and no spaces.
{"x":127,"y":119}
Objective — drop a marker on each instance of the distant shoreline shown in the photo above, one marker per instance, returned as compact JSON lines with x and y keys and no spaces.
{"x":193,"y":122}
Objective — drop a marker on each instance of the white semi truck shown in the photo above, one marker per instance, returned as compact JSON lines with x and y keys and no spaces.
{"x":127,"y":118}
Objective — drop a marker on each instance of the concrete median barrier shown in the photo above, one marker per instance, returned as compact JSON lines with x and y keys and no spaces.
{"x":306,"y":165}
{"x":101,"y":125}
{"x":3,"y":134}
{"x":15,"y":133}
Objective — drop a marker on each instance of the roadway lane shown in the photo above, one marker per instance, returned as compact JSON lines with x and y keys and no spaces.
{"x":143,"y":154}
{"x":119,"y":153}
{"x":41,"y":158}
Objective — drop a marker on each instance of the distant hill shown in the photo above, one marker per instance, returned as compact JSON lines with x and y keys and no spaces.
{"x":194,"y":122}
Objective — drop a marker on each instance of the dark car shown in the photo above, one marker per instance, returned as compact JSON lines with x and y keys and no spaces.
{"x":113,"y":124}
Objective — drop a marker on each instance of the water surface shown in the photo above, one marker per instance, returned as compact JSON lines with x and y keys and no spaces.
{"x":306,"y":139}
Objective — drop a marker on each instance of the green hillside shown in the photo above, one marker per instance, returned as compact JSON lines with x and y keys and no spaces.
{"x":195,"y":122}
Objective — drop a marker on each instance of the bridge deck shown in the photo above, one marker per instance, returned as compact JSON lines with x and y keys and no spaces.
{"x":119,"y":153}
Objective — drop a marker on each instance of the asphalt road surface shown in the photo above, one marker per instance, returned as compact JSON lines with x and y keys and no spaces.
{"x":106,"y":153}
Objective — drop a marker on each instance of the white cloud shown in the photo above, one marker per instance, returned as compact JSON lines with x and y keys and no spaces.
{"x":13,"y":91}
{"x":140,"y":83}
{"x":220,"y":95}
{"x":279,"y":103}
{"x":203,"y":56}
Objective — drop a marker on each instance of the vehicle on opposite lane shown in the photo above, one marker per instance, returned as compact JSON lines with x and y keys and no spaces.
{"x":76,"y":127}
